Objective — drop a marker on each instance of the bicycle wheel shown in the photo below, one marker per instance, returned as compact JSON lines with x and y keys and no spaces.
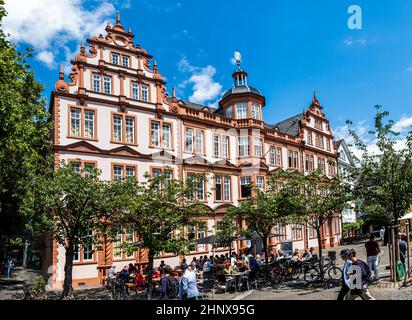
{"x":311,"y":275}
{"x":295,"y":273}
{"x":335,"y":273}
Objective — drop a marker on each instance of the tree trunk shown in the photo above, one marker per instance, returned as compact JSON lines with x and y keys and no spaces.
{"x":265,"y":249}
{"x":150,"y":277}
{"x":319,"y":236}
{"x":68,"y":273}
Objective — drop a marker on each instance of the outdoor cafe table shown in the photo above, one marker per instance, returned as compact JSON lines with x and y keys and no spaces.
{"x":237,"y":276}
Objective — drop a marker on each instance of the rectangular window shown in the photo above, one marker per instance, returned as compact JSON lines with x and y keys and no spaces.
{"x":117,"y":128}
{"x":245,"y":187}
{"x":130,"y":133}
{"x":130,"y":172}
{"x":322,"y":165}
{"x":130,"y":238}
{"x":189,"y":139}
{"x":115,"y":58}
{"x":199,"y":141}
{"x":166,"y":135}
{"x":295,"y":159}
{"x":118,"y":243}
{"x":201,"y":247}
{"x":278,"y":156}
{"x":310,"y":141}
{"x":260,"y":184}
{"x":89,"y":124}
{"x":318,"y":124}
{"x":191,"y":237}
{"x":244,"y":147}
{"x":218,"y":188}
{"x":327,"y":231}
{"x":309,"y":163}
{"x":311,"y":230}
{"x":216,"y":145}
{"x":272,"y":156}
{"x":241,"y":110}
{"x":226,"y":188}
{"x":229,"y":112}
{"x":145,"y":93}
{"x":135,"y":90}
{"x":225,"y":147}
{"x":155,"y":133}
{"x":96,"y":83}
{"x":256,"y":111}
{"x":75,"y":120}
{"x":290,"y":159}
{"x":107,"y":84}
{"x":118,"y":172}
{"x":327,"y":144}
{"x":125,"y":61}
{"x":88,"y":247}
{"x":258,"y":147}
{"x":88,"y":168}
{"x":198,"y":186}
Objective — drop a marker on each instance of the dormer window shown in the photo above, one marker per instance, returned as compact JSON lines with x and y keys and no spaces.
{"x":229,"y":112}
{"x":241,"y":110}
{"x":256,"y":111}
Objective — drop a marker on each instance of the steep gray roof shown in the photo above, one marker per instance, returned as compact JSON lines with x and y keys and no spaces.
{"x":290,"y":126}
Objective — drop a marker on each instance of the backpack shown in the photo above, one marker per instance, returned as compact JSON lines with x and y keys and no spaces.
{"x":368,"y":270}
{"x":171,"y":288}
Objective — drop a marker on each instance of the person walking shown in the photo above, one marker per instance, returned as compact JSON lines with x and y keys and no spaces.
{"x":9,"y":266}
{"x":402,"y":249}
{"x":187,"y":285}
{"x":382,"y":234}
{"x":363,"y":292}
{"x":344,"y":290}
{"x":372,"y":254}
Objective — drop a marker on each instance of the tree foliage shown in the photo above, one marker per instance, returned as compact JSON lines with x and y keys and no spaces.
{"x":24,"y":134}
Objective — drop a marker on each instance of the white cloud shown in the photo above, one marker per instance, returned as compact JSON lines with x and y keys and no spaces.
{"x":126,"y":4}
{"x":50,"y":25}
{"x":47,"y":57}
{"x":352,"y":42}
{"x":204,"y":87}
{"x":404,"y":124}
{"x":362,"y":130}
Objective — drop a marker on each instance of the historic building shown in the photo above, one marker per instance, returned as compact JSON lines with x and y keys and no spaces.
{"x":115,"y":115}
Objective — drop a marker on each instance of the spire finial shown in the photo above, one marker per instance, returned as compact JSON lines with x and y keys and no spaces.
{"x":118,"y":18}
{"x":155,"y":66}
{"x":61,"y":73}
{"x":238,"y":58}
{"x":315,"y":99}
{"x":173,"y":93}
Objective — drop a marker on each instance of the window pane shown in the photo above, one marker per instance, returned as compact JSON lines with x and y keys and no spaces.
{"x":130,"y":171}
{"x":166,"y":135}
{"x":258,"y":147}
{"x":260,"y":182}
{"x":89,"y":124}
{"x":118,"y":243}
{"x":200,"y":187}
{"x":130,"y":237}
{"x":189,"y":139}
{"x":118,"y":172}
{"x":218,"y":188}
{"x":243,"y":146}
{"x":227,"y":188}
{"x":155,"y":133}
{"x":115,"y":58}
{"x":199,"y":141}
{"x":135,"y":90}
{"x":130,"y":134}
{"x":145,"y":93}
{"x":88,"y":169}
{"x":75,"y":115}
{"x":241,"y":110}
{"x":272,"y":156}
{"x":245,"y":189}
{"x":225,"y":147}
{"x":216,"y":145}
{"x":88,"y":247}
{"x":107,"y":84}
{"x":96,"y":83}
{"x":125,"y":61}
{"x":117,"y":128}
{"x":256,"y":111}
{"x":229,"y":112}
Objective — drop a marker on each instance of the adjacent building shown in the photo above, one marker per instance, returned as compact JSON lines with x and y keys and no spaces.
{"x":115,"y":114}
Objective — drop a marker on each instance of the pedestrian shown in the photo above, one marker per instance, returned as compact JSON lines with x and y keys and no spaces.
{"x":168,"y":285}
{"x":344,"y":290}
{"x":183,"y":265}
{"x":187,"y":285}
{"x":402,"y":248}
{"x":207,"y":268}
{"x":9,"y":266}
{"x":382,"y":234}
{"x":362,"y":292}
{"x":372,"y":254}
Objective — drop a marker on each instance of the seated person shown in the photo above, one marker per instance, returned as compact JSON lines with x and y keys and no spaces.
{"x":112,"y":272}
{"x":259,"y":260}
{"x":227,"y":268}
{"x":307,"y":255}
{"x":183,"y":265}
{"x":123,"y":275}
{"x":131,"y":268}
{"x":295,"y":258}
{"x":162,"y":265}
{"x":139,"y":281}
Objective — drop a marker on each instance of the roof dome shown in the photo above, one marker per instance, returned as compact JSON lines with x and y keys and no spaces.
{"x":241,"y":89}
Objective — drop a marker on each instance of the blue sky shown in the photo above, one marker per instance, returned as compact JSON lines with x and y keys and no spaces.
{"x":289,"y":49}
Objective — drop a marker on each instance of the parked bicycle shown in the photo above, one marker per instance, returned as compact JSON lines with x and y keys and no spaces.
{"x":313,"y":272}
{"x":117,"y":288}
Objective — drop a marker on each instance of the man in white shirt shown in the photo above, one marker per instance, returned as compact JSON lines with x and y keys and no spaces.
{"x":344,"y":254}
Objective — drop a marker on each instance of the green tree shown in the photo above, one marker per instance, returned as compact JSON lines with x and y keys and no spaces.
{"x":24,"y":135}
{"x":76,"y":208}
{"x":161,"y":209}
{"x":316,"y":199}
{"x":262,"y":210}
{"x":384,"y":177}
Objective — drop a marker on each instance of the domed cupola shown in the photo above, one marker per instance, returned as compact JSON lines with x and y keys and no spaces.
{"x":242,"y":101}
